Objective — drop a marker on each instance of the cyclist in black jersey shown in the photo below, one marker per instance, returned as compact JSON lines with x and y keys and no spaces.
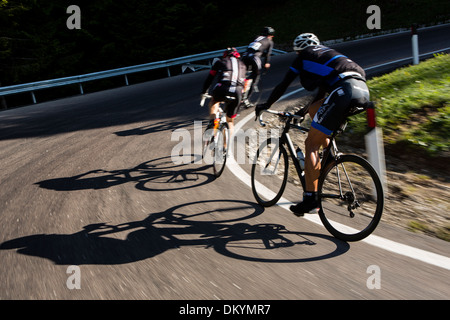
{"x":340,"y":84}
{"x":257,"y":57}
{"x":230,"y":73}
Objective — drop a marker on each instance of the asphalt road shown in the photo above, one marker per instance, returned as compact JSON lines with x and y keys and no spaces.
{"x":88,"y":181}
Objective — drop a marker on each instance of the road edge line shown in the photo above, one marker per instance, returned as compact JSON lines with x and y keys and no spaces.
{"x":377,"y":241}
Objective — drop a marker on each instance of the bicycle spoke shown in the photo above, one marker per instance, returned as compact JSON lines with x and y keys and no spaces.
{"x":351,"y":199}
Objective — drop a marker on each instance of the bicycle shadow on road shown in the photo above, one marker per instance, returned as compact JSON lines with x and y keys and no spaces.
{"x":155,"y":175}
{"x":187,"y":225}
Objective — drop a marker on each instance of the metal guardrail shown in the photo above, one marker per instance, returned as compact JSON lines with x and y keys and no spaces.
{"x":186,"y":62}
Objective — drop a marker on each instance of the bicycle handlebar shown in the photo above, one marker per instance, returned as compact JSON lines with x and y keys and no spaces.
{"x":207,"y":96}
{"x":281,"y":114}
{"x":204,"y":97}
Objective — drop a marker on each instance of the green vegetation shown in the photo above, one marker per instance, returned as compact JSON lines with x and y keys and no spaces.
{"x":444,"y":233}
{"x":413,"y":106}
{"x":420,"y":227}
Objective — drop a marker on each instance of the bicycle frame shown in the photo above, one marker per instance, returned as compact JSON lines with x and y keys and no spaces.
{"x":329,"y":153}
{"x":348,"y":185}
{"x":211,"y":135}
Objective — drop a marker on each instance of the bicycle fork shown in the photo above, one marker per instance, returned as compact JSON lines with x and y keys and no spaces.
{"x":349,"y":196}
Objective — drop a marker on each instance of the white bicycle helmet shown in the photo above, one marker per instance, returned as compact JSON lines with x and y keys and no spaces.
{"x":305,"y":40}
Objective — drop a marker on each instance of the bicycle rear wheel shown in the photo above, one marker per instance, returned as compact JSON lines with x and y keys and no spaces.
{"x":220,"y":149}
{"x":269,"y":172}
{"x":351,"y":197}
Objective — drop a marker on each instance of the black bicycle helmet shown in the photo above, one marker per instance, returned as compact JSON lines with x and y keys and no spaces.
{"x":268,"y":31}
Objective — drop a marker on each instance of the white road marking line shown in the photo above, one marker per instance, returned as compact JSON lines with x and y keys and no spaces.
{"x":385,"y":244}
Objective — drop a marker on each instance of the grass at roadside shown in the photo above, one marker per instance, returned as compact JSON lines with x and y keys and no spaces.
{"x":413,"y":110}
{"x":413,"y":106}
{"x":420,"y":227}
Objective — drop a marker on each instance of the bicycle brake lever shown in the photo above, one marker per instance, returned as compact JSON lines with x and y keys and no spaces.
{"x":204,"y":97}
{"x":202,"y":102}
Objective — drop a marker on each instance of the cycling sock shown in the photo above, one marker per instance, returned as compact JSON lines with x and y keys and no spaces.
{"x":310,"y":195}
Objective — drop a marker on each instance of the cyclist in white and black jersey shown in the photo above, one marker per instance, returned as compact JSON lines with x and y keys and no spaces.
{"x":230,"y":72}
{"x":257,"y":57}
{"x":340,"y":85}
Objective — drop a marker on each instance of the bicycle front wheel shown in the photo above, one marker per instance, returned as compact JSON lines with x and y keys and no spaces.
{"x":269,"y":172}
{"x":351,"y":197}
{"x":220,"y":149}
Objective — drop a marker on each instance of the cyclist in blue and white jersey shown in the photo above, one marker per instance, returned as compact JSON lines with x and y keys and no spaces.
{"x":340,"y":84}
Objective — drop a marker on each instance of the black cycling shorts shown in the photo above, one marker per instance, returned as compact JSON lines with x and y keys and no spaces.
{"x":348,"y":93}
{"x":254,"y":64}
{"x":221,"y":91}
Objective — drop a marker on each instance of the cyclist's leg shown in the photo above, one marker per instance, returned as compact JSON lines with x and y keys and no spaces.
{"x":248,"y":64}
{"x":310,"y":203}
{"x":230,"y":121}
{"x":314,"y":107}
{"x":213,"y":107}
{"x":327,"y":119}
{"x":315,"y":140}
{"x":218,"y":95}
{"x":232,"y":109}
{"x":209,"y":130}
{"x":254,"y":76}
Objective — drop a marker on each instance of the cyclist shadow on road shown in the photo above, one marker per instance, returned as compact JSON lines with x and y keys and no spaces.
{"x":168,"y":125}
{"x":188,"y":225}
{"x":155,"y":175}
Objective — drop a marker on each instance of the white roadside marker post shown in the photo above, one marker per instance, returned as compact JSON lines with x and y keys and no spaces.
{"x":415,"y":44}
{"x":375,"y":147}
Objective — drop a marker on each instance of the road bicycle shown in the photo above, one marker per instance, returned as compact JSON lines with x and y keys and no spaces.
{"x":349,"y":189}
{"x":216,"y":137}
